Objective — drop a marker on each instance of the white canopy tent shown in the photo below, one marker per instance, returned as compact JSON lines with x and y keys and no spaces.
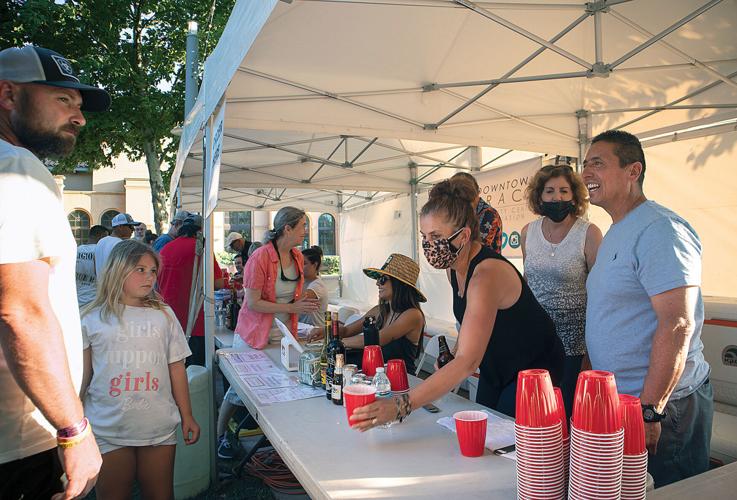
{"x":341,"y":103}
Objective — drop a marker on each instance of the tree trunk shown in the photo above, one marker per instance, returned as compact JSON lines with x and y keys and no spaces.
{"x":158,"y":194}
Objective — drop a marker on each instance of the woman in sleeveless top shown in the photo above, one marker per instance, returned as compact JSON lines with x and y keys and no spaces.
{"x":503,"y":328}
{"x":558,"y":250}
{"x":398,"y":315}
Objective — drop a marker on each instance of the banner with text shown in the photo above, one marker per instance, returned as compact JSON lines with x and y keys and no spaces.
{"x":504,"y":189}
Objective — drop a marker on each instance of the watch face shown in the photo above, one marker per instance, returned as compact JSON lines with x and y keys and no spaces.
{"x":648,"y":414}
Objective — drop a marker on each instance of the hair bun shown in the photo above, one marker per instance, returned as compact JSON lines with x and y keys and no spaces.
{"x":317,"y":249}
{"x":454,"y":188}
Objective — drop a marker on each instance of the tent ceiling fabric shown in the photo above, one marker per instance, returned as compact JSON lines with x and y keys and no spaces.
{"x":405,"y":69}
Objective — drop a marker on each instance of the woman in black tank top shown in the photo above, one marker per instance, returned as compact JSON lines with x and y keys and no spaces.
{"x":503,"y":328}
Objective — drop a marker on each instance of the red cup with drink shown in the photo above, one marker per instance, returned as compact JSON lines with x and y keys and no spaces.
{"x":356,"y":396}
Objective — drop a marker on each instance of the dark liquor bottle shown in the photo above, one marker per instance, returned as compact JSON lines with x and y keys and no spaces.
{"x":370,"y":331}
{"x":232,"y":309}
{"x":338,"y":379}
{"x":324,"y":352}
{"x":334,"y":347}
{"x":445,"y":356}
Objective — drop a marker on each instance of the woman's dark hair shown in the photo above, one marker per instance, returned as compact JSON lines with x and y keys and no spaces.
{"x":314,"y":255}
{"x":454,"y":198}
{"x":535,"y":188}
{"x":403,"y":297}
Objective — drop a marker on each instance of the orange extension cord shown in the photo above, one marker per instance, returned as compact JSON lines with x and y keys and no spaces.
{"x":268,"y":466}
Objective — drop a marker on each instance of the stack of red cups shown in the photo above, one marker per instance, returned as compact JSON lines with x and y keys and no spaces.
{"x":634,"y":463}
{"x":597,"y":438}
{"x":538,"y":438}
{"x":564,"y":427}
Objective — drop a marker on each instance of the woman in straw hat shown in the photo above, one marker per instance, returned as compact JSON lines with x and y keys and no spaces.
{"x":398,"y":315}
{"x":503,"y":328}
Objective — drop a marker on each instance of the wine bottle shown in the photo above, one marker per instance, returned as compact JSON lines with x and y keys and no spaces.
{"x":445,"y":356}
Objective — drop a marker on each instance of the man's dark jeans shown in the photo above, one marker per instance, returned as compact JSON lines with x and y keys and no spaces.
{"x":683,"y":449}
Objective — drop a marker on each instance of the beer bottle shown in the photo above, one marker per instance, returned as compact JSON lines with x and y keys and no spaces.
{"x":324,"y":352}
{"x":338,"y":379}
{"x":445,"y":356}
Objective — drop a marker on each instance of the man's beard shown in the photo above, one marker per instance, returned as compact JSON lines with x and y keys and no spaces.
{"x":42,"y":142}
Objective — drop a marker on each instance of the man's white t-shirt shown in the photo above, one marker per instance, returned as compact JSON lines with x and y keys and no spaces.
{"x":34,"y":226}
{"x":129,"y":400}
{"x":102,"y":252}
{"x":85,"y":274}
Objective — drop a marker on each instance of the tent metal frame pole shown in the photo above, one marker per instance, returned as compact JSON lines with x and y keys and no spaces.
{"x":209,"y":308}
{"x":435,"y":168}
{"x":418,"y":154}
{"x":496,"y":158}
{"x":331,"y":95}
{"x":704,"y":65}
{"x":527,"y":34}
{"x":670,"y":29}
{"x":681,"y":99}
{"x":509,"y":73}
{"x":666,"y":108}
{"x":414,"y":213}
{"x":518,"y":79}
{"x":584,"y":136}
{"x":322,"y":164}
{"x":267,"y":145}
{"x":598,"y":44}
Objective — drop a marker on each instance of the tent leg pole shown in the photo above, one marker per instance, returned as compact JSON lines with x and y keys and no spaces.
{"x":415,"y":213}
{"x":584,"y":136}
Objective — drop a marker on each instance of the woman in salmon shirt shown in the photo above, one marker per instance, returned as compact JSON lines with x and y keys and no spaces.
{"x":273,"y":280}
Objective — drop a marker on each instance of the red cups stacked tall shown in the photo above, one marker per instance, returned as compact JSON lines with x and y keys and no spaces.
{"x":564,"y":427}
{"x":538,"y":438}
{"x":597,"y":438}
{"x":634,"y":463}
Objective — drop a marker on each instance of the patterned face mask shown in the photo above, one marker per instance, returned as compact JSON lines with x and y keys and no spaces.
{"x":441,"y":254}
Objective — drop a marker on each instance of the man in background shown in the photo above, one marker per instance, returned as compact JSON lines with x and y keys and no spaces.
{"x":123,"y":226}
{"x":176,"y":223}
{"x":86,"y":274}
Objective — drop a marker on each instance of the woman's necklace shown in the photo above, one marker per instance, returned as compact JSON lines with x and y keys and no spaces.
{"x":549,"y":238}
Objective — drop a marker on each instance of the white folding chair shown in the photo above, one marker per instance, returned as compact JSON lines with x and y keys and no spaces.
{"x":432,"y":348}
{"x":346,"y":312}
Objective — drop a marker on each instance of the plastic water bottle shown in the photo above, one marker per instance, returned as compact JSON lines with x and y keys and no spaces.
{"x":383,"y":388}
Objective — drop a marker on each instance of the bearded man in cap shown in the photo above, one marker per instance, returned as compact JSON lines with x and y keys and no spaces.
{"x":123,"y":226}
{"x":41,"y":104}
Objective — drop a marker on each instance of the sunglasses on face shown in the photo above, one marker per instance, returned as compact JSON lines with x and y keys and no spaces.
{"x":382,"y":279}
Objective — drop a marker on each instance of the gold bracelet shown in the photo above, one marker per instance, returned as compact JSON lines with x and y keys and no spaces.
{"x":74,"y":441}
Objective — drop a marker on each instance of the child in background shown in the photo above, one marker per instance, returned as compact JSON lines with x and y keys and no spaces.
{"x":135,"y":388}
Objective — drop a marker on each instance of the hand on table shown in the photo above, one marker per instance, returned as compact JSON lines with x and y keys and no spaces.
{"x":81,"y":464}
{"x":652,"y":436}
{"x":305,"y":305}
{"x":381,"y":411}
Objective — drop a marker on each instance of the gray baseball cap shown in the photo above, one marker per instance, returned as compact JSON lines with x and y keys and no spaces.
{"x":31,"y":64}
{"x":180,"y":216}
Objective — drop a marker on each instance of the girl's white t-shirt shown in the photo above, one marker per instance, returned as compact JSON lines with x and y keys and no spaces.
{"x":129,"y":401}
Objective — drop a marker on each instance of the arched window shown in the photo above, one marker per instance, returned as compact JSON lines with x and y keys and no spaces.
{"x":107,"y":219}
{"x":326,"y":234}
{"x":79,"y":220}
{"x":306,"y":241}
{"x":240,"y":222}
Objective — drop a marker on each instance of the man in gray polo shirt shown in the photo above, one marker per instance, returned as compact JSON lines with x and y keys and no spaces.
{"x":645,"y":312}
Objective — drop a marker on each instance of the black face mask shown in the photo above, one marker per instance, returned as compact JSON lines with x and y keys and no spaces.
{"x":557,"y":210}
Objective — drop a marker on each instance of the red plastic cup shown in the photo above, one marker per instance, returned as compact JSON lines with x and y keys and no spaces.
{"x":471,"y":430}
{"x":396,"y":372}
{"x":561,"y":411}
{"x":536,"y":405}
{"x":372,"y":359}
{"x":356,"y":396}
{"x":596,"y":406}
{"x":634,"y":425}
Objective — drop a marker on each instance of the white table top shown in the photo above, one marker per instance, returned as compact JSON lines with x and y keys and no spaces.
{"x":715,"y":484}
{"x":415,"y":459}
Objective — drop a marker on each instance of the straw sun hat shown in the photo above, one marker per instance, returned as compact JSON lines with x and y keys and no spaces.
{"x":399,"y":267}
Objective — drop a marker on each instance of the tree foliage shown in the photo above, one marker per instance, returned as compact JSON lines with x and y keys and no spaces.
{"x":136,"y":50}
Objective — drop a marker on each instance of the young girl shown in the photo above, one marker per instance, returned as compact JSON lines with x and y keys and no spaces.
{"x":135,"y":388}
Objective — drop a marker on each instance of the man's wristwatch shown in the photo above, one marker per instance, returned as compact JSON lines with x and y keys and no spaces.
{"x":650,"y":414}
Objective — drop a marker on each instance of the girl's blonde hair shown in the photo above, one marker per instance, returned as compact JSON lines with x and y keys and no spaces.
{"x":120,"y":264}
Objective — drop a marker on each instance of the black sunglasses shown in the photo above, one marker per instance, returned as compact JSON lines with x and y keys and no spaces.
{"x":382,"y":279}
